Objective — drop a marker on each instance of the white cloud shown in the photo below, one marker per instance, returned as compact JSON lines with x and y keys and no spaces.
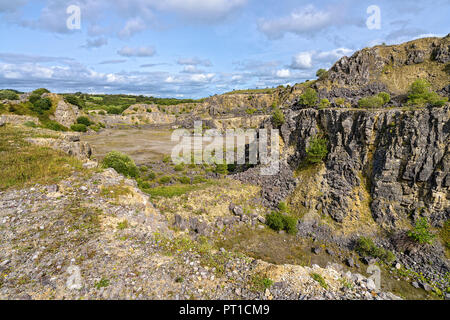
{"x":303,"y":60}
{"x":301,"y":21}
{"x":309,"y":59}
{"x":96,"y":43}
{"x":132,"y":27}
{"x":202,"y":77}
{"x":137,"y":52}
{"x":283,"y":73}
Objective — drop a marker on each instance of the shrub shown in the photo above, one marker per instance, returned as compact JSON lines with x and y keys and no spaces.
{"x":385,"y":96}
{"x":221,"y":168}
{"x":366,"y":247}
{"x":278,"y":221}
{"x":321,"y":73}
{"x":40,"y":91}
{"x":114,"y":110}
{"x":33,"y":98}
{"x":275,"y":221}
{"x":30,"y":124}
{"x":121,"y":163}
{"x":179,"y":167}
{"x":317,"y":150}
{"x":420,"y":94}
{"x":339,"y":102}
{"x":8,"y":95}
{"x":102,"y":113}
{"x":199,"y":179}
{"x":184,"y":180}
{"x":309,"y":97}
{"x":324,"y":103}
{"x":151,"y":175}
{"x":42,"y":105}
{"x":56,"y":126}
{"x":165,"y":179}
{"x":84,"y":120}
{"x":371,"y":102}
{"x":277,"y":117}
{"x":282,"y":206}
{"x":421,"y":232}
{"x":250,"y":111}
{"x":74,"y":100}
{"x":79,"y":127}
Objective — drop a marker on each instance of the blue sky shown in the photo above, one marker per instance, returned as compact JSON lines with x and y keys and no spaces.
{"x":194,"y":48}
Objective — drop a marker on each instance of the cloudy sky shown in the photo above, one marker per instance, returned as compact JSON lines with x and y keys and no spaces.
{"x":195,"y":48}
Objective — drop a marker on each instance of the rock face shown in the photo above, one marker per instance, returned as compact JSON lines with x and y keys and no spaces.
{"x":69,"y":144}
{"x":15,"y":119}
{"x":401,"y":158}
{"x":66,"y":114}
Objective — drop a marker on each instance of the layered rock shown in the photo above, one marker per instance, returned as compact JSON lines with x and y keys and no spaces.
{"x":401,"y":158}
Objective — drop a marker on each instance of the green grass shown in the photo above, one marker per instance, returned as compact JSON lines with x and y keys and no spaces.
{"x":176,"y":189}
{"x":24,"y":164}
{"x":317,"y":277}
{"x":260,"y":283}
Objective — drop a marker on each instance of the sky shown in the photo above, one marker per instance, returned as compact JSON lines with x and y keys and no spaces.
{"x":195,"y":48}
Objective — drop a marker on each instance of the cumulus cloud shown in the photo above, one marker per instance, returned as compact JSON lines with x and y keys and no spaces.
{"x":137,"y":52}
{"x":283,"y":73}
{"x":306,"y":21}
{"x":309,"y":59}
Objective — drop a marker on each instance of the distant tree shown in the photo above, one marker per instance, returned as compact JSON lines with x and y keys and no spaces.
{"x":277,"y":117}
{"x":317,"y":150}
{"x":321,"y":73}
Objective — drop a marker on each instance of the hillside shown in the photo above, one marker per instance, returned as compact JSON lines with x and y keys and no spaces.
{"x":364,"y":183}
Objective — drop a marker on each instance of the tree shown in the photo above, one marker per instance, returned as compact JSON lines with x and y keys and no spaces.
{"x":317,"y":150}
{"x":277,"y":117}
{"x":321,"y":73}
{"x":420,"y":94}
{"x":309,"y":97}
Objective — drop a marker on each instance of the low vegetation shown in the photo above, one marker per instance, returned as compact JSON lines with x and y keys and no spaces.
{"x":277,"y":117}
{"x":376,"y":101}
{"x":309,"y":98}
{"x":366,"y":247}
{"x":317,"y":277}
{"x":420,"y":94}
{"x":25,"y":164}
{"x":121,"y":163}
{"x":421,"y":232}
{"x":317,"y":150}
{"x":278,"y":221}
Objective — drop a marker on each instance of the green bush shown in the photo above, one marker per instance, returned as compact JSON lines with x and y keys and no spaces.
{"x":41,"y":105}
{"x":309,"y":97}
{"x":74,"y":100}
{"x":8,"y":95}
{"x":421,"y":232}
{"x":121,"y":163}
{"x":151,"y":175}
{"x":420,"y":94}
{"x":277,"y":117}
{"x":371,"y":102}
{"x":179,"y":167}
{"x":221,"y":168}
{"x":366,"y":247}
{"x":275,"y":221}
{"x":199,"y":179}
{"x":324,"y":103}
{"x":84,"y":120}
{"x":321,"y":73}
{"x":339,"y":102}
{"x":317,"y":277}
{"x":317,"y":150}
{"x":40,"y":91}
{"x":30,"y":124}
{"x":184,"y":180}
{"x":55,"y":126}
{"x":165,"y":179}
{"x":114,"y":110}
{"x":385,"y":96}
{"x":278,"y":221}
{"x":79,"y":127}
{"x":282,"y":206}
